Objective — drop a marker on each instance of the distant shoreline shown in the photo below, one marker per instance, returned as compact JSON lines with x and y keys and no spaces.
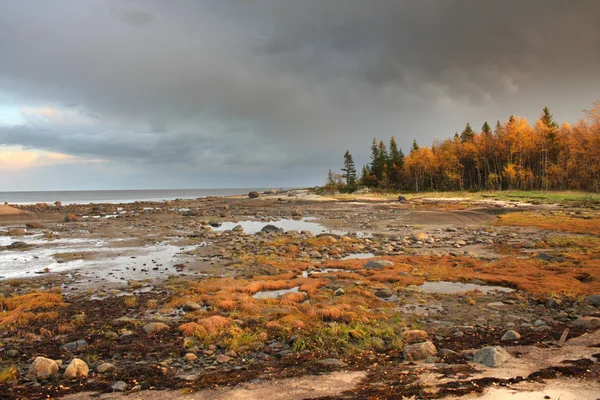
{"x":119,"y":196}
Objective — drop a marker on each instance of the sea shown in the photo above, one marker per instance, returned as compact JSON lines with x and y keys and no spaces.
{"x":117,"y":196}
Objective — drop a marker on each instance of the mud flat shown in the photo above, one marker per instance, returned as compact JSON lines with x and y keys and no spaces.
{"x":291,"y":292}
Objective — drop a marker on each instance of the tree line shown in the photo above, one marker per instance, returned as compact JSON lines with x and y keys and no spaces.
{"x":514,"y":155}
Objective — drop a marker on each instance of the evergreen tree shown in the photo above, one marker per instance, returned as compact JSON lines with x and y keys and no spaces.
{"x":374,"y":167}
{"x":330,"y":179}
{"x":349,"y":172}
{"x":395,"y":163}
{"x":467,"y":134}
{"x":415,"y":146}
{"x":548,"y":119}
{"x":383,"y":162}
{"x":487,"y":129}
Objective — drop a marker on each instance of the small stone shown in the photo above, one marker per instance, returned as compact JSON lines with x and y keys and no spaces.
{"x":378,"y":264}
{"x":331,"y":362}
{"x":155,"y":327}
{"x":511,"y":335}
{"x":190,"y":357}
{"x":253,"y":195}
{"x":42,"y":368}
{"x":492,"y":357}
{"x":119,"y":386}
{"x":191,"y":306}
{"x":76,"y":345}
{"x":271,"y":228}
{"x":383,"y":293}
{"x":419,"y":351}
{"x":415,"y":336}
{"x":221,"y":359}
{"x":297,"y":213}
{"x":419,"y":237}
{"x":106,"y":368}
{"x":77,"y":368}
{"x":586,"y":323}
{"x":339,"y":292}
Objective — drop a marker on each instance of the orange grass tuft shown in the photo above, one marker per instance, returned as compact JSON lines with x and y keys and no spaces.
{"x":557,"y":221}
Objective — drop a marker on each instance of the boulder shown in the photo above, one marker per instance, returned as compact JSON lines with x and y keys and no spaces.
{"x":119,"y":386}
{"x":16,"y":232}
{"x":378,"y":264}
{"x":511,"y":335}
{"x":77,"y":368}
{"x":106,"y":368}
{"x":331,"y":362}
{"x":415,"y":336}
{"x":42,"y":368}
{"x":593,"y":299}
{"x":492,"y":357}
{"x":18,"y":245}
{"x":402,"y":199}
{"x":383,"y":293}
{"x":419,"y":237}
{"x":191,"y":306}
{"x":76,"y":345}
{"x":419,"y":351}
{"x":34,"y":225}
{"x":253,"y":195}
{"x":297,"y":213}
{"x":155,"y":327}
{"x":271,"y":228}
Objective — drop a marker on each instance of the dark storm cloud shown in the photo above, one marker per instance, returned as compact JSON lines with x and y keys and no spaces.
{"x":279,"y":84}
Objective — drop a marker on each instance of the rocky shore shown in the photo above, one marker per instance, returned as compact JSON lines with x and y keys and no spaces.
{"x":368,"y":297}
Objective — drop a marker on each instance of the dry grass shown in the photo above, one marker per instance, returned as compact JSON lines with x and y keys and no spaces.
{"x":206,"y":327}
{"x":290,"y":299}
{"x":9,"y":374}
{"x":20,"y":310}
{"x":130,"y":301}
{"x":558,"y":221}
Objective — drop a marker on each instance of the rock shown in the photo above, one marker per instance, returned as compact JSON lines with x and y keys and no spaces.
{"x":339,"y":292}
{"x":16,"y":232}
{"x":238,"y":228}
{"x":190,"y":357}
{"x":419,"y":237}
{"x":415,"y":336}
{"x":191,"y":306}
{"x":593,"y":299}
{"x":419,"y":351}
{"x":271,"y":229}
{"x":586,"y":323}
{"x":383,"y":293}
{"x":511,"y":335}
{"x":271,"y":191}
{"x":221,"y":359}
{"x":76,"y":345}
{"x":106,"y":368}
{"x":378,"y":264}
{"x":402,"y":199}
{"x":34,"y":225}
{"x":331,"y":362}
{"x":71,"y":218}
{"x":119,"y":386}
{"x":42,"y":368}
{"x":253,"y":195}
{"x":551,"y":258}
{"x":77,"y":368}
{"x":155,"y":327}
{"x":492,"y":357}
{"x":58,"y":203}
{"x":297,"y":214}
{"x":18,"y":245}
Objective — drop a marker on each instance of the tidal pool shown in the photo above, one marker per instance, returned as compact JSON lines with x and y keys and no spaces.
{"x":456,"y":287}
{"x":273,"y":294}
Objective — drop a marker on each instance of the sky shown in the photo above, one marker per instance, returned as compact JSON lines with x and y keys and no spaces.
{"x":149,"y":94}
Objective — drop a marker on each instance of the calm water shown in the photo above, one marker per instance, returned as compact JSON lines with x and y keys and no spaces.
{"x":117,"y":196}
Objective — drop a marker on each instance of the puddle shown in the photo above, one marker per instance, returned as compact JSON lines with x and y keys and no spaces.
{"x":304,"y":224}
{"x":273,"y":294}
{"x":358,"y":256}
{"x":306,"y":274}
{"x":456,"y":287}
{"x":106,"y":263}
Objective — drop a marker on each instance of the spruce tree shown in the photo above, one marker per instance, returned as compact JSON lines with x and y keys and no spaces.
{"x":383,"y":161}
{"x":548,"y":119}
{"x":487,"y":129}
{"x":415,"y":146}
{"x":374,"y":167}
{"x":467,"y":134}
{"x":349,"y":172}
{"x":395,"y":163}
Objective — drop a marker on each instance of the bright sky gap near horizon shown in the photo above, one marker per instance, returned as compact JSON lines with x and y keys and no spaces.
{"x":143,"y":94}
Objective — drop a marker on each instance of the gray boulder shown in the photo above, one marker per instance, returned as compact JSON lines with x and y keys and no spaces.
{"x":492,"y":357}
{"x":378,"y":264}
{"x":593,"y":299}
{"x":419,"y":351}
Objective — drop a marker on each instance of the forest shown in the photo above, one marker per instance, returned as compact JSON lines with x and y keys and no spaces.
{"x":514,"y":155}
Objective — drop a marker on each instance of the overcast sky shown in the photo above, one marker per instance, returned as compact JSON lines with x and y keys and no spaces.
{"x":132,"y":94}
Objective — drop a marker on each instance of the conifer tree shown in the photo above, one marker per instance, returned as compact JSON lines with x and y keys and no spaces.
{"x":415,"y":146}
{"x":349,"y":172}
{"x":382,"y":162}
{"x":374,"y":167}
{"x":467,"y":134}
{"x":395,"y":163}
{"x":487,"y":129}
